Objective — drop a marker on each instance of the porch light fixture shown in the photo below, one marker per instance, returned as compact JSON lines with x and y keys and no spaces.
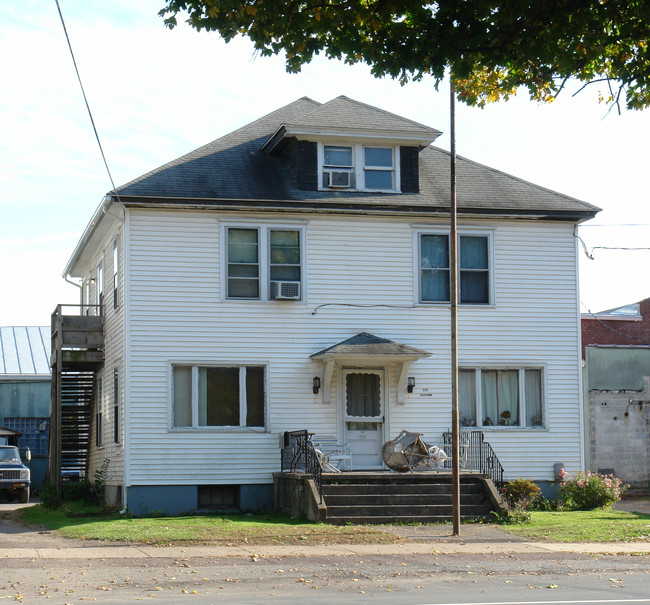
{"x":316,"y":384}
{"x":92,"y":281}
{"x":410,"y":385}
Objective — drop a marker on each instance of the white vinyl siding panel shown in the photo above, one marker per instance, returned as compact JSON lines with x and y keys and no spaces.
{"x":114,"y":354}
{"x":178,"y":315}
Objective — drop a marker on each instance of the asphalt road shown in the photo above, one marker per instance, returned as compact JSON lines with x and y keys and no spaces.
{"x":510,"y":576}
{"x":394,"y":579}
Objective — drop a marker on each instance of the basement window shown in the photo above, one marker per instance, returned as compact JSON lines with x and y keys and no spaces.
{"x":218,"y":497}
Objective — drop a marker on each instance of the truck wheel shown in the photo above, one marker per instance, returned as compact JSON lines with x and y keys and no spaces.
{"x":24,"y":495}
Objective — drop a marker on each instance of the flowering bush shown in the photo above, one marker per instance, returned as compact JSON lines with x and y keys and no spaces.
{"x":586,"y":491}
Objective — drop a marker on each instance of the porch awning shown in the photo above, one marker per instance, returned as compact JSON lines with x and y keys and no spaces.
{"x":368,"y":347}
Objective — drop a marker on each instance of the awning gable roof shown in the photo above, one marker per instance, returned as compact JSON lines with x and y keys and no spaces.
{"x":368,"y":345}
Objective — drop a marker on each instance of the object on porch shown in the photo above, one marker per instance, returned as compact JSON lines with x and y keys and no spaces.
{"x":407,"y":452}
{"x":334,"y":457}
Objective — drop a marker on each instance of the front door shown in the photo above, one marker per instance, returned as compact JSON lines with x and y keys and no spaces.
{"x":363,"y":417}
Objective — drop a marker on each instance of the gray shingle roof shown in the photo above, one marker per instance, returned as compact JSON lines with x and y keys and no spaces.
{"x":344,"y":112}
{"x":235,"y":169}
{"x":364,"y":344}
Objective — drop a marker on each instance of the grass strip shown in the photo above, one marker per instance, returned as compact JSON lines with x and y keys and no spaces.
{"x":602,"y":525}
{"x":225,"y":530}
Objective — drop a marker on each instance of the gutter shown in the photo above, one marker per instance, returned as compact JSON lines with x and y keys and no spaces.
{"x":103,"y":209}
{"x":270,"y":205}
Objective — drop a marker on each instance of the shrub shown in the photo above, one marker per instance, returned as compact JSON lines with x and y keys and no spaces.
{"x":545,"y":504}
{"x":511,"y":515}
{"x":521,"y":493}
{"x":48,"y":496}
{"x":586,"y":491}
{"x":89,"y":492}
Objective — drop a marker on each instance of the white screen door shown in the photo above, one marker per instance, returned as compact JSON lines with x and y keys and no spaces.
{"x":363,"y":417}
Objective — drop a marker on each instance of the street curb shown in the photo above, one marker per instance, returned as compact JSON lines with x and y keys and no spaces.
{"x":254,"y":552}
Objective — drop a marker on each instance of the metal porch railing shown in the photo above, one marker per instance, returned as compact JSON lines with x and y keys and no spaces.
{"x":477,"y":455}
{"x":298,"y":456}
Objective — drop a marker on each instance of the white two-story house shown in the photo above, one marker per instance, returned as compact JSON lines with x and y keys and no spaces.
{"x":294,"y":274}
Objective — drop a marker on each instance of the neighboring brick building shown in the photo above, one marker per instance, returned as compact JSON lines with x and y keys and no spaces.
{"x":628,"y":325}
{"x":616,"y":382}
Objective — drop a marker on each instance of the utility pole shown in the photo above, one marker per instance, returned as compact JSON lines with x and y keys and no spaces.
{"x":453,"y":298}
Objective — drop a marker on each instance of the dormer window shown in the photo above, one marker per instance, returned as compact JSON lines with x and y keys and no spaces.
{"x":379,"y":168}
{"x":359,"y":167}
{"x":338,"y":167}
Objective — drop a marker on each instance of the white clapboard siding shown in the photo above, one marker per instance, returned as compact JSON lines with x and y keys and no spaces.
{"x":114,"y":353}
{"x":177,"y":315}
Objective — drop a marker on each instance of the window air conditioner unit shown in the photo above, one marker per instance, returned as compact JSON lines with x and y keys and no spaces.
{"x":339,"y":179}
{"x":285,"y":290}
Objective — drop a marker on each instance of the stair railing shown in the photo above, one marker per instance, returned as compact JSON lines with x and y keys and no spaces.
{"x":298,"y":456}
{"x":478,"y":454}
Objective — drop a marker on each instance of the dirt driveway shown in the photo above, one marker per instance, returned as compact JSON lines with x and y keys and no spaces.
{"x":14,"y":534}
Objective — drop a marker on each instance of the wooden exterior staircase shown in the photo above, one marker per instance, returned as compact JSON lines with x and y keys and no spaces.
{"x":77,"y":354}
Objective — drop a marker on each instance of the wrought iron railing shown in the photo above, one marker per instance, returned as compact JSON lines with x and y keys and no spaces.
{"x":299,"y":456}
{"x":476,"y":454}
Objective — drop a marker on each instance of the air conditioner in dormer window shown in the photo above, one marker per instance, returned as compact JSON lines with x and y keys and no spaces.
{"x":338,"y":178}
{"x":285,"y":290}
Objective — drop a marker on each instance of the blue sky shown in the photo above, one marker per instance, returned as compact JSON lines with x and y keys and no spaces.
{"x":157,"y":94}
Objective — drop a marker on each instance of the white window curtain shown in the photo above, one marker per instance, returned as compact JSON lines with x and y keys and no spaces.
{"x":467,"y":397}
{"x":500,"y":396}
{"x":533,"y":383}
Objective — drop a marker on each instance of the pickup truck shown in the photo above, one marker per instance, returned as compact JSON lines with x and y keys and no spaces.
{"x":14,"y":475}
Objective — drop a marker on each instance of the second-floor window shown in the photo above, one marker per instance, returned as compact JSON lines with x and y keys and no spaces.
{"x":100,"y":287}
{"x":264,"y":263}
{"x":474,"y":276}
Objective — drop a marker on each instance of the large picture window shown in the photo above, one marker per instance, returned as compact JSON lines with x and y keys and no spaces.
{"x":219,"y":396}
{"x":501,"y":397}
{"x":260,"y":258}
{"x":473,"y":268}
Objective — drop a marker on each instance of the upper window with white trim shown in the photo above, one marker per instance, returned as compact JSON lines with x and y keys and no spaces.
{"x":264,"y":263}
{"x":474,"y":273}
{"x":359,"y":167}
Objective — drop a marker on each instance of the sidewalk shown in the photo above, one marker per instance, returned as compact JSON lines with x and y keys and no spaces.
{"x":425,"y":539}
{"x":441,"y":545}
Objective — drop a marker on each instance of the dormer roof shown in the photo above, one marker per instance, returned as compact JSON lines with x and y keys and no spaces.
{"x":343,"y":117}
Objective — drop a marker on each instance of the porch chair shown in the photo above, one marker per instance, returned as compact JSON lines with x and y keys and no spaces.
{"x":463,"y":450}
{"x":332,"y":454}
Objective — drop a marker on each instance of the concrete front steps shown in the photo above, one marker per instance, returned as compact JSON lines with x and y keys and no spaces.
{"x":388,"y":497}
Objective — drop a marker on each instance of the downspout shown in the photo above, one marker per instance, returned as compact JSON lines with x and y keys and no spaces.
{"x":66,"y":277}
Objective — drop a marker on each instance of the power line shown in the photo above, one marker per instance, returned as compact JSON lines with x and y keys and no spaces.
{"x":615,"y":248}
{"x":618,"y":225}
{"x":83,"y":92}
{"x":601,"y":322}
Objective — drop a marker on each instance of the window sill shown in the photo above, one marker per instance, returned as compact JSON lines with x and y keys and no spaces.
{"x":503,"y":428}
{"x":218,"y":429}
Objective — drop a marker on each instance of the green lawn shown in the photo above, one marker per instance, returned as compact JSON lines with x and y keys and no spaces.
{"x":230,"y":530}
{"x":604,"y":525}
{"x":226,"y":530}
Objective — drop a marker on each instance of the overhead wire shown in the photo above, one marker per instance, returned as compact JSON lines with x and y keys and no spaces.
{"x":600,"y":321}
{"x":83,"y":92}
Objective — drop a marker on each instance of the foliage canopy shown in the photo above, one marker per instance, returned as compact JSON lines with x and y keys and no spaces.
{"x":493,"y":48}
